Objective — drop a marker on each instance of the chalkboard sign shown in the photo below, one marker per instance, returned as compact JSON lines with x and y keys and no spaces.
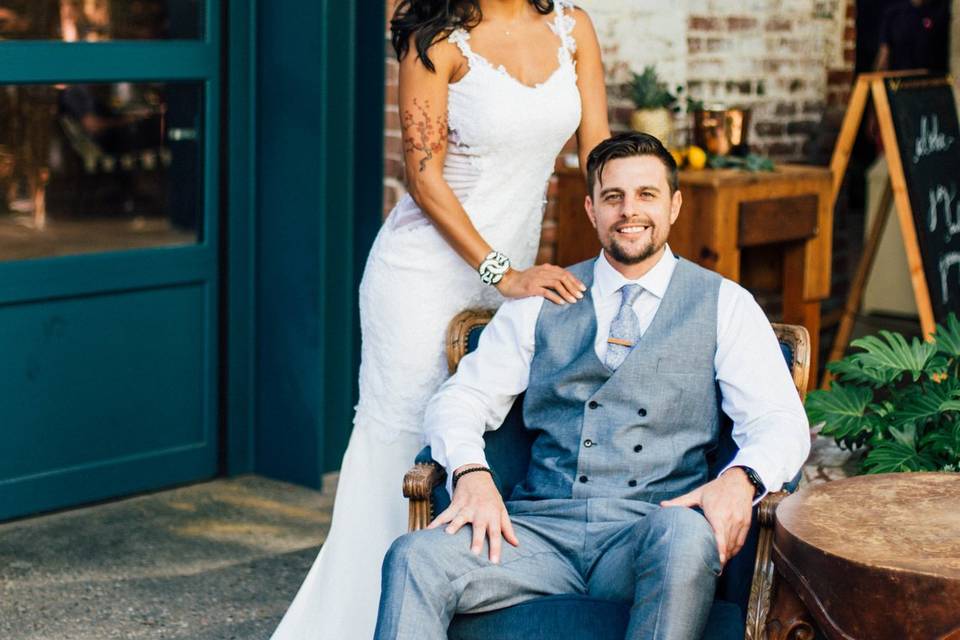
{"x":917,"y":114}
{"x":924,"y":116}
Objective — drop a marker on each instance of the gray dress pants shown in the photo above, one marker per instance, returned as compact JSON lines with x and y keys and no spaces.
{"x":662,"y":560}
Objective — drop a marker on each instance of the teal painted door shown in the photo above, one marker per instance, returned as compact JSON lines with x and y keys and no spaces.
{"x":109,"y":251}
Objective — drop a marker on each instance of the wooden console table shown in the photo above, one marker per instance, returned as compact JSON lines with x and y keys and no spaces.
{"x":725,"y":211}
{"x":869,"y":558}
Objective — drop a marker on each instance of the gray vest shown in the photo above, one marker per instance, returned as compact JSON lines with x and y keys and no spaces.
{"x":641,"y":432}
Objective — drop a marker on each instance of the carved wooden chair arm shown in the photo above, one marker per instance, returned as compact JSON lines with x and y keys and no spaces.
{"x":763,"y":574}
{"x":418,"y":485}
{"x":767,"y":509}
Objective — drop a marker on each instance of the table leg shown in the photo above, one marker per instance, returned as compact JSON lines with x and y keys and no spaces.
{"x":726,"y":235}
{"x":788,"y":618}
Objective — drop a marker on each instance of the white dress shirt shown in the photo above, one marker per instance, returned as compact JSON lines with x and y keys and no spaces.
{"x":770,"y":426}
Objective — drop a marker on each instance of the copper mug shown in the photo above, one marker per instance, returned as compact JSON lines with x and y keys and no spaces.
{"x":721,"y":131}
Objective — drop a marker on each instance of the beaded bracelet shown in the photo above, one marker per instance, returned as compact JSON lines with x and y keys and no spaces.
{"x":460,"y":474}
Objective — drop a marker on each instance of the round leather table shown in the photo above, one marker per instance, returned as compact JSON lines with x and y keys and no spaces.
{"x":870,"y":557}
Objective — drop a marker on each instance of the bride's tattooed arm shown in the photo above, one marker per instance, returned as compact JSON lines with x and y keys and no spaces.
{"x":423,"y":99}
{"x":422,"y":136}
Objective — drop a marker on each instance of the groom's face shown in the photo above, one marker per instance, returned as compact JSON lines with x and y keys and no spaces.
{"x":632,"y":208}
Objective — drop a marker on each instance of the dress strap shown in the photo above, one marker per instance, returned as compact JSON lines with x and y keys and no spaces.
{"x":461,"y":38}
{"x":563,"y":25}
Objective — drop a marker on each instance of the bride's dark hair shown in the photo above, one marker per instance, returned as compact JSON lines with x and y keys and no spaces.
{"x":429,"y":20}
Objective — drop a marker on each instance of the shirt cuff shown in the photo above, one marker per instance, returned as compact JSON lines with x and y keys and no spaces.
{"x":769,"y":475}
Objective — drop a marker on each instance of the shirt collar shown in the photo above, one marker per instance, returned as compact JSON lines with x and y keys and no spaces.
{"x":608,"y":280}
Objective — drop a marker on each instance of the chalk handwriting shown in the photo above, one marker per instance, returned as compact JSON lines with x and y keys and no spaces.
{"x":947,"y":262}
{"x":930,"y":140}
{"x":943,"y":200}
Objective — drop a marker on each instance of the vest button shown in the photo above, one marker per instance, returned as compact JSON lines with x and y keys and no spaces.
{"x":583,"y":478}
{"x":588,"y":443}
{"x":632,"y":483}
{"x":638,"y":448}
{"x":642,"y":412}
{"x":593,"y":404}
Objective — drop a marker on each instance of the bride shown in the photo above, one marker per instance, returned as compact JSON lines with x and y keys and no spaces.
{"x":490,"y":91}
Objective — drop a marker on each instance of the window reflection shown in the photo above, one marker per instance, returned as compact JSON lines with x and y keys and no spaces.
{"x":99,"y":20}
{"x":99,"y":167}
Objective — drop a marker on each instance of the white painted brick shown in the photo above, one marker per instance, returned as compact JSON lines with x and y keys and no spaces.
{"x":636,"y":33}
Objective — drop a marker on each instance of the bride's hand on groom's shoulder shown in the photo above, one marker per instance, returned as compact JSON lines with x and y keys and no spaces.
{"x":553,"y":283}
{"x":477,"y":502}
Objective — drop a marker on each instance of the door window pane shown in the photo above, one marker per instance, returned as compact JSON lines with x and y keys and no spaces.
{"x":100,"y":20}
{"x":99,"y":167}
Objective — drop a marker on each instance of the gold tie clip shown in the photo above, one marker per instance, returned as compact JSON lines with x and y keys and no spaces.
{"x":622,"y":343}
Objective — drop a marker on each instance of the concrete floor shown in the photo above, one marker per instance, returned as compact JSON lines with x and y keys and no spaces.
{"x":214,"y":561}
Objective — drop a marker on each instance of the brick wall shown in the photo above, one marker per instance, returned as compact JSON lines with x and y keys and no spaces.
{"x":634,"y":34}
{"x":393,"y":173}
{"x":790,"y":60}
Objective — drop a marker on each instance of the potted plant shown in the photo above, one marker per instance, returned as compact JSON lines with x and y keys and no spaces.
{"x":897,"y":401}
{"x":655,"y":104}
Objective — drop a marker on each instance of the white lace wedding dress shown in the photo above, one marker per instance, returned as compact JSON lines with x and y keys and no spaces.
{"x":504,"y":139}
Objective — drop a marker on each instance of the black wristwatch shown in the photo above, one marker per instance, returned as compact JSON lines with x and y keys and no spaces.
{"x":758,"y":488}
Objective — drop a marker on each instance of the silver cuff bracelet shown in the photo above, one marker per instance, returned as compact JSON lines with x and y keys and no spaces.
{"x":493,"y":267}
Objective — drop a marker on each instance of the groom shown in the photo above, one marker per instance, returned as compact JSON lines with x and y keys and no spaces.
{"x":624,"y":390}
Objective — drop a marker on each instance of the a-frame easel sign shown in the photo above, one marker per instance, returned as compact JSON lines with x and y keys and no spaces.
{"x":917,"y":116}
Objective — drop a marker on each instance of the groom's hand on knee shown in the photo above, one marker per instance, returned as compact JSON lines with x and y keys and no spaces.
{"x":727,"y":504}
{"x":477,"y":502}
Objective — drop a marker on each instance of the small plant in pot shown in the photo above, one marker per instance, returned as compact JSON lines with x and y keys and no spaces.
{"x":897,"y":401}
{"x":655,"y":104}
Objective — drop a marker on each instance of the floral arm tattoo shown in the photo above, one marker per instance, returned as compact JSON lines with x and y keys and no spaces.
{"x":423,"y":136}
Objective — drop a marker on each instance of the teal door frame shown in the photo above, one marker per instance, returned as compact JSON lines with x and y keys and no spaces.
{"x":72,"y":469}
{"x":305,"y":124}
{"x":240,"y":188}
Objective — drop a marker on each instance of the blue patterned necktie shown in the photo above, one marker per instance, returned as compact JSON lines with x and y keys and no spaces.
{"x":625,"y":328}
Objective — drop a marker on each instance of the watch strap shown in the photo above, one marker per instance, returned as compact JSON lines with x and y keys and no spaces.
{"x":758,"y":487}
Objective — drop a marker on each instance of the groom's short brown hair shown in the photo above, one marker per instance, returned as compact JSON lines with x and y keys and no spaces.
{"x":629,"y":145}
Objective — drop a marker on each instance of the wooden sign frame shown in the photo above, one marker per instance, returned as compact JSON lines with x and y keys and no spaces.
{"x":872,"y":85}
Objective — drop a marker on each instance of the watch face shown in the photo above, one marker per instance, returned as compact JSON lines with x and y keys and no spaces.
{"x":754,"y":479}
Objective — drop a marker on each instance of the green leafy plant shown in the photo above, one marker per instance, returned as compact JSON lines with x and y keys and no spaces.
{"x":750,"y":162}
{"x":897,"y":400}
{"x":693,"y":104}
{"x":648,"y":92}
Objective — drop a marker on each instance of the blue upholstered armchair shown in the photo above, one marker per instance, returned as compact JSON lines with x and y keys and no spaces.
{"x":743,"y":591}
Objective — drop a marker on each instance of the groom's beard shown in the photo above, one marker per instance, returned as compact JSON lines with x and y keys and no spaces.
{"x":633,"y":254}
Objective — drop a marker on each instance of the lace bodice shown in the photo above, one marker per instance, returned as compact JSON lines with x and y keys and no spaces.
{"x":505,"y":136}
